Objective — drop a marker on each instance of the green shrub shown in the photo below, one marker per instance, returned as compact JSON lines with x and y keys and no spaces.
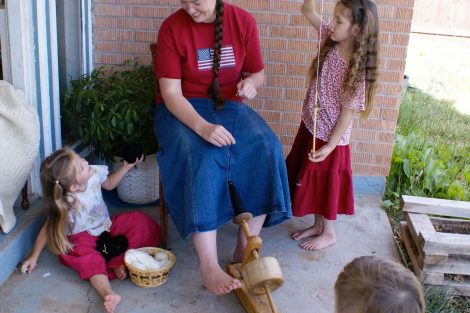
{"x":430,"y":158}
{"x":112,"y":108}
{"x":431,"y":154}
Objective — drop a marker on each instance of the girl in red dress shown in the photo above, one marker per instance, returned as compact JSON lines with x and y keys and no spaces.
{"x":321,"y":181}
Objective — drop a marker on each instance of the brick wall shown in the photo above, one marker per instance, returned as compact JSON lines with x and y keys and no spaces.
{"x":123,"y":29}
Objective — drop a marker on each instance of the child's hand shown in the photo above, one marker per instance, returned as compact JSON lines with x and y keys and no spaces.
{"x":29,"y":265}
{"x":129,"y":166}
{"x":246,"y":89}
{"x":320,"y":154}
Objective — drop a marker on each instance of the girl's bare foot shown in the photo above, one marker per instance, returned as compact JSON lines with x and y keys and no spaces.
{"x":318,"y":243}
{"x":120,"y":272}
{"x":313,"y":230}
{"x":218,"y":282}
{"x":111,"y":301}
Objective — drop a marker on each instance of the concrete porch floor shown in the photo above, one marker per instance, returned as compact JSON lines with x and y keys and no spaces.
{"x":309,"y":276}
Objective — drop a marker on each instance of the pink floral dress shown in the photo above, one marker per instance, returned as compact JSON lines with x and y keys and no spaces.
{"x":324,"y":188}
{"x":331,"y":96}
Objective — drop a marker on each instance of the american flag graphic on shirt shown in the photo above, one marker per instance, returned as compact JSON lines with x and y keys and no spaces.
{"x":205,"y":58}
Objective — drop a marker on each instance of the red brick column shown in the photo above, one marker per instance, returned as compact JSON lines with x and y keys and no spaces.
{"x":123,"y":29}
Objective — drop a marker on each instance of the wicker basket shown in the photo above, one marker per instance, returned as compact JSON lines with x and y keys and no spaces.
{"x":151,"y":278}
{"x":140,"y":185}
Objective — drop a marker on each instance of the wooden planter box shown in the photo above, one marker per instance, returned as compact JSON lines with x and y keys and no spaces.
{"x":437,"y":240}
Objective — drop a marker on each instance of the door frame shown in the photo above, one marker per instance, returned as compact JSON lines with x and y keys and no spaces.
{"x":34,"y":65}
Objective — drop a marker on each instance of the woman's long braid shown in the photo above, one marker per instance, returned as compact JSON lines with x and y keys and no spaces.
{"x":214,"y":89}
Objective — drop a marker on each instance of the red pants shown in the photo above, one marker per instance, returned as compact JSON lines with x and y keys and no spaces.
{"x":140,"y":230}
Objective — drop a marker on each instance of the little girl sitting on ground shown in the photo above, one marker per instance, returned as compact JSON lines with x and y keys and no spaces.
{"x":78,"y":218}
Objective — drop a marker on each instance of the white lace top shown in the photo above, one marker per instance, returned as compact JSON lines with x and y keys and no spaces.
{"x":90,"y":212}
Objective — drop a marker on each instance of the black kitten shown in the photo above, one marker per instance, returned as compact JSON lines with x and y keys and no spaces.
{"x":110,"y":246}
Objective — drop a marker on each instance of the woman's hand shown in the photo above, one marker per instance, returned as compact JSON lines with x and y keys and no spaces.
{"x":246,"y":89}
{"x":320,"y":154}
{"x":217,"y":135}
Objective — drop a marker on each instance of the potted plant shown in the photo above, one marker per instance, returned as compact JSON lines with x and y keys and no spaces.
{"x":112,"y":110}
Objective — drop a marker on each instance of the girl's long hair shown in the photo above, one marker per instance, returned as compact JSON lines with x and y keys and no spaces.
{"x":57,"y":175}
{"x":366,"y":50}
{"x":214,"y":88}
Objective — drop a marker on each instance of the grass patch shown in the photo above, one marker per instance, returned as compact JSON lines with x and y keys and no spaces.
{"x":430,"y":158}
{"x":431,"y":155}
{"x":441,"y":301}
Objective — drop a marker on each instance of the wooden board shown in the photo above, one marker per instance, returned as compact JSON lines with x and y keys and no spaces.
{"x":436,"y":206}
{"x":416,"y":224}
{"x":430,"y":259}
{"x":445,"y":243}
{"x":252,"y":304}
{"x":436,"y":278}
{"x":429,"y":278}
{"x":462,"y":289}
{"x":453,"y":265}
{"x":439,"y":248}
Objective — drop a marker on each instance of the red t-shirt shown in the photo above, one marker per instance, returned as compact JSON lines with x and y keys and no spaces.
{"x":185,"y":51}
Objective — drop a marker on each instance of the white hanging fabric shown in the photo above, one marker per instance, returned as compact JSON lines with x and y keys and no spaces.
{"x":19,"y":146}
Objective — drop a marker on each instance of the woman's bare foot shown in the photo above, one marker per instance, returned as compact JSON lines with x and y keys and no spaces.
{"x":313,"y":230}
{"x":218,"y":282}
{"x":318,"y":243}
{"x":111,"y":301}
{"x":120,"y":272}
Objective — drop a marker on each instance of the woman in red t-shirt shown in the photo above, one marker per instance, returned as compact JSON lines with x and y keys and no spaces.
{"x":209,"y":60}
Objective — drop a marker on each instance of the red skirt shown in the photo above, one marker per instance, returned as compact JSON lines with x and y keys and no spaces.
{"x":140,"y":230}
{"x":324,"y":188}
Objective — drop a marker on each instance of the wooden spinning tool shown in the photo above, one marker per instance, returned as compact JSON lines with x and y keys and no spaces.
{"x":315,"y":106}
{"x":259,"y":276}
{"x":315,"y":112}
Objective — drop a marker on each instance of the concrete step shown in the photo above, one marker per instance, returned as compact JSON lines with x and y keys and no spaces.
{"x":17,"y":244}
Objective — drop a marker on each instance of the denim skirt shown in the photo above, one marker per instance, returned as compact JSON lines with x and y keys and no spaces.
{"x":195,"y":173}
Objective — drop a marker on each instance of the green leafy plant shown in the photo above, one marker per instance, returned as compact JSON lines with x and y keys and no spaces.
{"x":430,"y":158}
{"x":431,"y":154}
{"x":112,"y":108}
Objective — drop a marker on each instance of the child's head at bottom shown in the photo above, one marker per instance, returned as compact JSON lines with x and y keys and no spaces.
{"x":370,"y":284}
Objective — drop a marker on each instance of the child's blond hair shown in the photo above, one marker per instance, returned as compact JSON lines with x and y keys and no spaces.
{"x":366,"y":50}
{"x":57,"y":175}
{"x":370,"y":284}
